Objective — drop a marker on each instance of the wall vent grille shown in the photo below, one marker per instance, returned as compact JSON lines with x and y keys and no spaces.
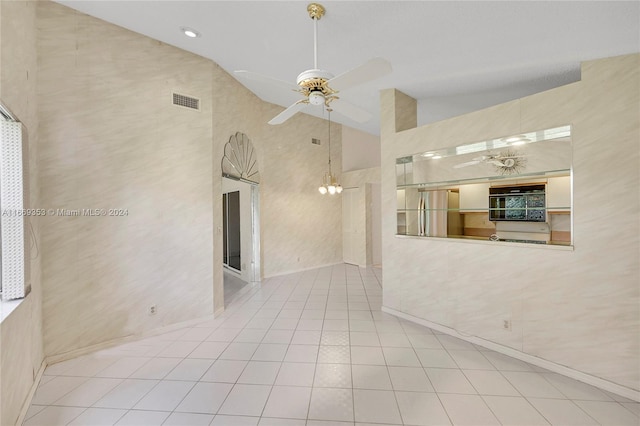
{"x":315,"y":141}
{"x":186,"y":101}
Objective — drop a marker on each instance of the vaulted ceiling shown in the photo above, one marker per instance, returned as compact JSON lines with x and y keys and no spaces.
{"x":453,"y":56}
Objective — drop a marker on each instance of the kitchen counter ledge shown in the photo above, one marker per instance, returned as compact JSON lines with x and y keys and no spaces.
{"x":552,"y":245}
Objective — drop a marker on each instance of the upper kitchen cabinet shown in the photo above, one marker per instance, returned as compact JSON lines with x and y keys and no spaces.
{"x":505,"y":189}
{"x":559,"y":195}
{"x":474,"y":197}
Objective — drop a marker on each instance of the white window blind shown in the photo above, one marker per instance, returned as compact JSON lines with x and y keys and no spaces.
{"x":11,"y":204}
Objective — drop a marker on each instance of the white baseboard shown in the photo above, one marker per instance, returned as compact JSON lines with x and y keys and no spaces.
{"x":294,"y":271}
{"x":54,"y":359}
{"x":32,"y":392}
{"x":93,"y":348}
{"x":522,"y":356}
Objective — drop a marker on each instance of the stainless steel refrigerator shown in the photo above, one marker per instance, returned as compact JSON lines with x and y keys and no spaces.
{"x":433,"y":207}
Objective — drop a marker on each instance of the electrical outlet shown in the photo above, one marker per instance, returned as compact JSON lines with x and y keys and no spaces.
{"x":506,"y":324}
{"x":153,"y":309}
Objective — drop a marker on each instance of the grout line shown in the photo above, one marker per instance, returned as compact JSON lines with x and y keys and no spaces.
{"x":305,"y":292}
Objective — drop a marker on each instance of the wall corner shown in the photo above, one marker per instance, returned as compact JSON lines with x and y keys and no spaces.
{"x":398,"y":112}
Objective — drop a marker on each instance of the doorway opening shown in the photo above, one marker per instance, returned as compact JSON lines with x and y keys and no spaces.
{"x":240,"y":235}
{"x":241,"y":217}
{"x":231,"y":231}
{"x":361,"y":224}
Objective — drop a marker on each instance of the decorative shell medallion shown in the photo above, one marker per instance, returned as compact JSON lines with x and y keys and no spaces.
{"x":240,"y":160}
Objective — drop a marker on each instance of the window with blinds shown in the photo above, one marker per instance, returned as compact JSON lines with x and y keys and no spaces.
{"x":12,"y":285}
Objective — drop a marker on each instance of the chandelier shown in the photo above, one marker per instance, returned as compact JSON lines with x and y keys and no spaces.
{"x":330,"y":183}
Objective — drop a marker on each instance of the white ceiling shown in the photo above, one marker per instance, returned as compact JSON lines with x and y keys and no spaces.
{"x":453,"y":56}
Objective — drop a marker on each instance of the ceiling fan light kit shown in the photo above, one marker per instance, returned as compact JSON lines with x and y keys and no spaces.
{"x":316,"y":98}
{"x":320,"y":87}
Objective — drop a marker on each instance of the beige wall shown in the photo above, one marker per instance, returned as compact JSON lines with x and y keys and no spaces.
{"x":21,"y":333}
{"x":577,"y":308}
{"x":360,"y":177}
{"x":360,"y":150}
{"x":299,"y":228}
{"x":365,"y":207}
{"x":111,"y":139}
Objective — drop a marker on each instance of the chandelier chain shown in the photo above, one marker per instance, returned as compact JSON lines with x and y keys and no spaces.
{"x":330,"y":184}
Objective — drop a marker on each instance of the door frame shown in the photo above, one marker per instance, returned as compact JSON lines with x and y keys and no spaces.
{"x":255,"y":269}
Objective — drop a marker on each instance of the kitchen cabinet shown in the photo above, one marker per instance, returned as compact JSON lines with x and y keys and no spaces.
{"x":489,"y":178}
{"x":559,"y":194}
{"x":474,"y":197}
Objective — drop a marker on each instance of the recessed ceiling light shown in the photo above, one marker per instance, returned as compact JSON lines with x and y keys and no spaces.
{"x":520,"y":142}
{"x":428,"y":154}
{"x":436,"y":157}
{"x":190,"y":32}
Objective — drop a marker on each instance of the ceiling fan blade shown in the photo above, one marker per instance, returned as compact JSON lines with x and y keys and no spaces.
{"x":468,"y":163}
{"x":351,"y":111}
{"x":288,"y":113}
{"x":248,"y":75}
{"x":370,"y":70}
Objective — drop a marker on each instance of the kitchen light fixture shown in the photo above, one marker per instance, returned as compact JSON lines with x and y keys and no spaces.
{"x":329,"y":182}
{"x":190,"y":32}
{"x":516,"y":140}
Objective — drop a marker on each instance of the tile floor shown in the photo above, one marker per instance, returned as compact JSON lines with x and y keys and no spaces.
{"x":233,"y":286}
{"x":313,"y":349}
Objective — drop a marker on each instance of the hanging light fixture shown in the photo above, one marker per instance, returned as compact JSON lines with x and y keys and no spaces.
{"x":330,"y":184}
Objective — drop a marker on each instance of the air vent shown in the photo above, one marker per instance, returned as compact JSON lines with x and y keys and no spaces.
{"x":186,"y":101}
{"x":315,"y":141}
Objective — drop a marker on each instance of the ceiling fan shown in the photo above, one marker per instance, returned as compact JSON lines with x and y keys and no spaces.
{"x":506,"y":160}
{"x":320,"y":87}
